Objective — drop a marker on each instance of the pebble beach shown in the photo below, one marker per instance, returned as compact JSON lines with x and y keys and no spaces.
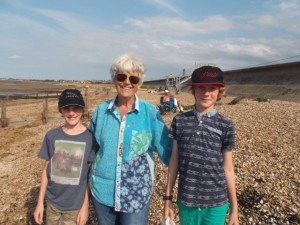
{"x":266,"y":162}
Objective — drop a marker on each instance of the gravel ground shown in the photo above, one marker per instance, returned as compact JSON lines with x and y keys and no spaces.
{"x":266,"y":163}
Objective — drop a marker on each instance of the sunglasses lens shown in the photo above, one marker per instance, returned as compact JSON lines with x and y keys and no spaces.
{"x":132,"y":79}
{"x":121,"y":77}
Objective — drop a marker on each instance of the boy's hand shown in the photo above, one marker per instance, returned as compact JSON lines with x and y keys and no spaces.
{"x":168,"y":211}
{"x":233,"y":219}
{"x":83,"y":216}
{"x":38,"y":213}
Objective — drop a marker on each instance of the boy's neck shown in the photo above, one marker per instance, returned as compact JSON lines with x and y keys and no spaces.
{"x":203,"y":111}
{"x":74,"y":129}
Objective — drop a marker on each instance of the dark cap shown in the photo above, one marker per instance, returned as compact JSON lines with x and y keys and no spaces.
{"x":70,"y":97}
{"x":207,"y":75}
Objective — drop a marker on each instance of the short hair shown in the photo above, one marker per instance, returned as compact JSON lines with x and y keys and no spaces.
{"x":128,"y":63}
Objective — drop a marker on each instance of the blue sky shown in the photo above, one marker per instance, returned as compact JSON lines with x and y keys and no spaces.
{"x":78,"y":40}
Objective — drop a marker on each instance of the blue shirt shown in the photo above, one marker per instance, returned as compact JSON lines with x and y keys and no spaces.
{"x":122,"y":173}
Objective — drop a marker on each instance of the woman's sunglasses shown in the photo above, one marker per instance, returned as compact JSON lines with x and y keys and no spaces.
{"x":132,"y":79}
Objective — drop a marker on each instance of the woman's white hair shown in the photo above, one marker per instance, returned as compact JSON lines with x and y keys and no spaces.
{"x":128,"y":63}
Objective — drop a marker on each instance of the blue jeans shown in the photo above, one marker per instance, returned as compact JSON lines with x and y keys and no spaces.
{"x":107,"y":215}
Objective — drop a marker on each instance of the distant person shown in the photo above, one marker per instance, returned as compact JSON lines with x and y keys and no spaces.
{"x":129,"y":131}
{"x":202,"y":155}
{"x":168,"y":103}
{"x":166,"y":97}
{"x":68,"y":152}
{"x":170,"y":77}
{"x":159,"y":89}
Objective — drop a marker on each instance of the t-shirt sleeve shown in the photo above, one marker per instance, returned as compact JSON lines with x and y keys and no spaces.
{"x":45,"y":149}
{"x":229,"y":137}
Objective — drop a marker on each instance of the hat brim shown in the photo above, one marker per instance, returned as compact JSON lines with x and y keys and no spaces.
{"x":202,"y":84}
{"x":71,"y":105}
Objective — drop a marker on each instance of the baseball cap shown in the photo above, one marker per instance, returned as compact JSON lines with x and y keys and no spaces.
{"x":166,"y":91}
{"x":206,"y":75}
{"x":70,"y":97}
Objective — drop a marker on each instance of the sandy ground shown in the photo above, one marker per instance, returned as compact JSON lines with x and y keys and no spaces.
{"x":266,"y":158}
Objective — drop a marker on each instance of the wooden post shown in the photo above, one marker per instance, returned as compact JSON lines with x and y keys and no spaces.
{"x":86,"y":110}
{"x":4,"y":120}
{"x":45,"y":111}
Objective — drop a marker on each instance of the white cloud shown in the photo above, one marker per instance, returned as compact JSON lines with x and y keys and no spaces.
{"x":180,"y":27}
{"x":289,"y":5}
{"x":266,"y":20}
{"x":255,"y":50}
{"x":164,"y":4}
{"x":23,"y":24}
{"x":281,"y":16}
{"x":15,"y":57}
{"x":67,"y":21}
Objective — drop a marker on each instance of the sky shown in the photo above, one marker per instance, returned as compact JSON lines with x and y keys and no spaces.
{"x":79,"y":40}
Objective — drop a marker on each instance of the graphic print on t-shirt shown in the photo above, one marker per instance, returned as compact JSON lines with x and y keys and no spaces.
{"x":66,"y":163}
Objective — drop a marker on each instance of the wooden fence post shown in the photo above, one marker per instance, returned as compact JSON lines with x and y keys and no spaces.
{"x":87,"y":114}
{"x":45,"y":110}
{"x":4,"y":120}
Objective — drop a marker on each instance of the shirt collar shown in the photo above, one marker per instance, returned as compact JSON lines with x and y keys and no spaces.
{"x":208,"y":114}
{"x":112,"y":105}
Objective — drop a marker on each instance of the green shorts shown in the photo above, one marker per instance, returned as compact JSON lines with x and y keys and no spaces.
{"x":202,"y":216}
{"x":56,"y":216}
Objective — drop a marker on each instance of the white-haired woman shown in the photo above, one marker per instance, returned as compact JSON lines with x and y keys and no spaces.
{"x":128,"y":131}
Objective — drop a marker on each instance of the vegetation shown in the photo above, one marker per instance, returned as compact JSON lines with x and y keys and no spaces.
{"x":262,"y":99}
{"x":188,"y":107}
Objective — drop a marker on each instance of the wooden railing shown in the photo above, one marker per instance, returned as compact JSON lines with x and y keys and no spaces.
{"x":45,"y":96}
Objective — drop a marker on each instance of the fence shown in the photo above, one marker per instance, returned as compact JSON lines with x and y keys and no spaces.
{"x":6,"y":104}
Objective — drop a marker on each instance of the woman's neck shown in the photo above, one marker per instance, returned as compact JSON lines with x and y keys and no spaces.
{"x":125,"y":105}
{"x":125,"y":102}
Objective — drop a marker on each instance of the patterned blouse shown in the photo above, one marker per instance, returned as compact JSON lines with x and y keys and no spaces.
{"x":122,"y":173}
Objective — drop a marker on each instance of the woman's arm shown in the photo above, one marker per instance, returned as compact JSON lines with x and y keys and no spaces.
{"x":39,"y":210}
{"x":162,"y":142}
{"x":231,"y":189}
{"x":171,"y":179}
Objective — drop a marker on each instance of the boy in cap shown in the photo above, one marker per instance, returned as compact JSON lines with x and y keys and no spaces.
{"x":67,"y":150}
{"x":202,"y":155}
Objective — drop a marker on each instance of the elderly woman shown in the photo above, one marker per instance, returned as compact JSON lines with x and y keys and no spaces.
{"x":128,"y":131}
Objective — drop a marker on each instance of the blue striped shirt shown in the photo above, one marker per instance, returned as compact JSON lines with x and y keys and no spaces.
{"x":201,"y":142}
